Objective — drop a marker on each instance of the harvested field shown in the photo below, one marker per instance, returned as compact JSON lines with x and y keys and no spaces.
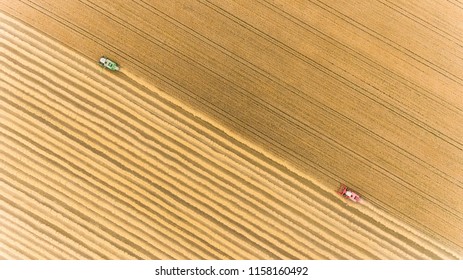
{"x":228,"y":129}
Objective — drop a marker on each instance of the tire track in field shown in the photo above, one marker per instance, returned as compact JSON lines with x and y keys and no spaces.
{"x":325,"y":170}
{"x":227,"y":160}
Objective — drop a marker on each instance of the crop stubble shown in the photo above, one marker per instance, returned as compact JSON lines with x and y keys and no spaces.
{"x":103,"y":165}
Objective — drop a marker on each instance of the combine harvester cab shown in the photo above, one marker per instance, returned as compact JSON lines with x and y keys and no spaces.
{"x":349,"y":194}
{"x":109,"y":64}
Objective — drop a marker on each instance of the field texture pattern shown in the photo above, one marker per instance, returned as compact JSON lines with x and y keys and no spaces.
{"x":228,"y":129}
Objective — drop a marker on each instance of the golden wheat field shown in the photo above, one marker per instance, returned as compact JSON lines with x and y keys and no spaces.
{"x":228,"y":129}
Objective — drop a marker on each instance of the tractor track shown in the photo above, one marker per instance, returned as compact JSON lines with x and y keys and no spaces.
{"x":103,"y":166}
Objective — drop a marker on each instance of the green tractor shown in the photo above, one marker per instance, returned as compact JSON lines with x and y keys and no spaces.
{"x":109,"y":64}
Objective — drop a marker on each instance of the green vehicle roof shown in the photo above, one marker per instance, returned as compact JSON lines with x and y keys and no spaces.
{"x":109,"y":64}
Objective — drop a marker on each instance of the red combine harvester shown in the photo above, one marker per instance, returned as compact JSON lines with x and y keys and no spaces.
{"x":349,"y":194}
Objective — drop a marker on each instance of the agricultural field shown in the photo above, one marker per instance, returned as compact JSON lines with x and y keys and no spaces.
{"x":229,"y":128}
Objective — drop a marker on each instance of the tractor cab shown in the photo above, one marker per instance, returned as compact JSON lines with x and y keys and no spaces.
{"x":349,"y":194}
{"x":109,"y":64}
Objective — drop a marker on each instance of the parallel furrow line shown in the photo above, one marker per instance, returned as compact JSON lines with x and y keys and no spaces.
{"x":98,"y":237}
{"x":50,"y":245}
